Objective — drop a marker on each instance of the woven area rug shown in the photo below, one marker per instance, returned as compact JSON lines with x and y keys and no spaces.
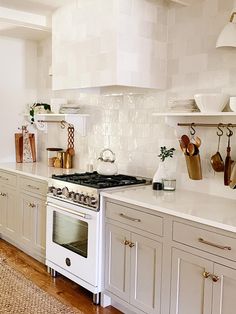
{"x":19,"y":295}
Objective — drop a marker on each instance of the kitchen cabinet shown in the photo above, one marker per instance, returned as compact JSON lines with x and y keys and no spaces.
{"x":32,"y":216}
{"x":8,"y":209}
{"x":133,"y":262}
{"x":199,"y":285}
{"x":190,"y":266}
{"x":23,"y":212}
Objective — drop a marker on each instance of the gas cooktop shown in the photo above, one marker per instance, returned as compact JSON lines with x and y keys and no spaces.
{"x":97,"y":181}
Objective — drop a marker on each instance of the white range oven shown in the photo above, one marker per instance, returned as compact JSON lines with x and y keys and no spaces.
{"x":74,"y":226}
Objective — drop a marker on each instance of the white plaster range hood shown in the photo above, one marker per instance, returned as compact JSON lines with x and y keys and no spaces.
{"x":109,"y":43}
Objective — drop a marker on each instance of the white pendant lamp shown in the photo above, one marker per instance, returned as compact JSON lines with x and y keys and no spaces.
{"x":227,"y":37}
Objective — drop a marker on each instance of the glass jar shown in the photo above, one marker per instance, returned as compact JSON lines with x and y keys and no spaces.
{"x":52,"y":155}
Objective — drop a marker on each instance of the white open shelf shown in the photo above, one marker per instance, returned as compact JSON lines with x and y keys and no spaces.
{"x":194,"y":114}
{"x":79,"y":121}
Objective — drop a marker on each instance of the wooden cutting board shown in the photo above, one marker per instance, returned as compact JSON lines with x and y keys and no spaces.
{"x":19,"y":146}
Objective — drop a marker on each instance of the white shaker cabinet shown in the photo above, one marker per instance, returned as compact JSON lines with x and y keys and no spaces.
{"x":190,"y":291}
{"x":9,"y":214}
{"x":133,"y":261}
{"x":32,"y":216}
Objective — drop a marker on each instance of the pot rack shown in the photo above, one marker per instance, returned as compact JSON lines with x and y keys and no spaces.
{"x":209,"y":125}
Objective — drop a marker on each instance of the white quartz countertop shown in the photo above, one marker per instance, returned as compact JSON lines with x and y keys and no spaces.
{"x":37,"y":170}
{"x":211,"y":210}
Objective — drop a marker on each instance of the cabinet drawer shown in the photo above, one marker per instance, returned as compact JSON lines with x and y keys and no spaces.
{"x":205,"y":240}
{"x":33,"y":186}
{"x":8,"y":178}
{"x":135,"y":218}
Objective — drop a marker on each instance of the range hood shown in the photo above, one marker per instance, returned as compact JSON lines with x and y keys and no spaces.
{"x":110,"y":45}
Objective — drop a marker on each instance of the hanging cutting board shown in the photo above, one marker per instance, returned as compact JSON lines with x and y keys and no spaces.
{"x":19,"y":146}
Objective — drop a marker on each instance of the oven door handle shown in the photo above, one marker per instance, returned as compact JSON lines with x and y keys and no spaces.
{"x":85,"y":216}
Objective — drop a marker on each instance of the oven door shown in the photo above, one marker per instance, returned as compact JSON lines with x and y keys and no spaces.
{"x":73,"y":239}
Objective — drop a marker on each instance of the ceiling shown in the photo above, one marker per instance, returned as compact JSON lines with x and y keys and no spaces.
{"x":34,"y":6}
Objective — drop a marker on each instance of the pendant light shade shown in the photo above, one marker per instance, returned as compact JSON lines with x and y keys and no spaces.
{"x":227,"y":37}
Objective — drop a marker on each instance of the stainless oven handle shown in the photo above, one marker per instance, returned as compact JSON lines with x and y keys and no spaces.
{"x":69,"y":210}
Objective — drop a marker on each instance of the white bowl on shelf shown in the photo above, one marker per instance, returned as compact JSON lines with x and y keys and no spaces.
{"x":232,"y":103}
{"x":213,"y":102}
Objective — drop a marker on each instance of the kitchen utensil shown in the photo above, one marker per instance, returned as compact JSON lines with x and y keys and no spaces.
{"x":185,"y":140}
{"x":197,"y":141}
{"x":232,"y":183}
{"x":106,"y":164}
{"x":182,"y":146}
{"x":217,"y":162}
{"x":191,"y":149}
{"x":228,"y":161}
{"x":70,"y":145}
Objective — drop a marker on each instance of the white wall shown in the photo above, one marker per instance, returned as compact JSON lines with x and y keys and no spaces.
{"x":126,"y":124}
{"x":17,"y":88}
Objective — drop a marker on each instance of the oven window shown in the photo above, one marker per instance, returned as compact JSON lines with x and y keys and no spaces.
{"x":71,"y":233}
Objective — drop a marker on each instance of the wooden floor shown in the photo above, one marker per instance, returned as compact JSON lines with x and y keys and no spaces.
{"x":62,"y":288}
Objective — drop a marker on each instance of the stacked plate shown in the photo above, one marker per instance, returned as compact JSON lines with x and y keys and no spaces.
{"x":182,"y":105}
{"x":69,"y":108}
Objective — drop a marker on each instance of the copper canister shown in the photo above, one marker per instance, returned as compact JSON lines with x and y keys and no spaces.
{"x":67,"y":160}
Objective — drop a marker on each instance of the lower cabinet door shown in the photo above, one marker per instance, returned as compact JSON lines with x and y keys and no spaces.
{"x":191,"y":292}
{"x":33,"y":222}
{"x":145,"y":286}
{"x":224,"y":290}
{"x":117,"y":277}
{"x":10,"y":216}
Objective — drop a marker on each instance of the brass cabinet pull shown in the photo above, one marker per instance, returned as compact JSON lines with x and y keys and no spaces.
{"x":131,"y":244}
{"x":32,"y":187}
{"x":4,"y":178}
{"x":215,"y":278}
{"x":206,"y":274}
{"x":126,"y":242}
{"x":130,"y":218}
{"x":3,"y":194}
{"x":32,"y":205}
{"x":222,"y":247}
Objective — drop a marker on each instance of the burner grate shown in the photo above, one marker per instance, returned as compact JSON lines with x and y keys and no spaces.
{"x":98,"y":181}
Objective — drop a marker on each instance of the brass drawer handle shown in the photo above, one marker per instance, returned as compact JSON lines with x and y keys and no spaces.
{"x":32,"y":187}
{"x":3,"y":194}
{"x":4,"y":178}
{"x":131,"y":244}
{"x":215,"y":278}
{"x":222,"y":247}
{"x":130,"y":218}
{"x":126,"y":242}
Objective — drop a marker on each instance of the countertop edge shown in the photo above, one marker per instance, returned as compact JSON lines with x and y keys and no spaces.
{"x":171,"y":212}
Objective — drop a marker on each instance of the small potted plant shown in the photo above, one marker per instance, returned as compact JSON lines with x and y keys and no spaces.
{"x":163,"y":172}
{"x":38,"y":108}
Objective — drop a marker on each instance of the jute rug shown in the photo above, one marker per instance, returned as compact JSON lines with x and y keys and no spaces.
{"x":19,"y":295}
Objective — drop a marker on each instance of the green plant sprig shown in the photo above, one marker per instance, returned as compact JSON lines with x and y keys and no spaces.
{"x":32,"y":108}
{"x":165,"y":153}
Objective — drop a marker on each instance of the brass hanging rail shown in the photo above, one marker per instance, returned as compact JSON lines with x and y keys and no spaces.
{"x":208,"y":125}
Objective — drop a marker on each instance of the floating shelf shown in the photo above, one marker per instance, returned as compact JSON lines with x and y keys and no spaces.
{"x":79,"y":121}
{"x":193,"y":114}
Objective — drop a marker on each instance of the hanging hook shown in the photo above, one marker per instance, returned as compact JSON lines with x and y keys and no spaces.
{"x":219,"y":128}
{"x":192,"y":130}
{"x":230,"y":133}
{"x":63,"y":124}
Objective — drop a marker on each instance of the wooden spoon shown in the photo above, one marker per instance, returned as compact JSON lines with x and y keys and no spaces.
{"x":185,"y":139}
{"x":191,"y":149}
{"x":198,"y":141}
{"x":182,"y":146}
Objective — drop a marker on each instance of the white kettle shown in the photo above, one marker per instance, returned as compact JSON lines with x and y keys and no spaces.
{"x":106,"y":164}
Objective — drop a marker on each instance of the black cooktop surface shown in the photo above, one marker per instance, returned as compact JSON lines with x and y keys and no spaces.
{"x":95,"y":180}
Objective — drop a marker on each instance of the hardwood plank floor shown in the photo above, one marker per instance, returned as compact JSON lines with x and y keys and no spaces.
{"x":62,"y":288}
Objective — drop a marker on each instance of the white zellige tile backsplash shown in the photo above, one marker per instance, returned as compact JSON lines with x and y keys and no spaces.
{"x":126,"y":124}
